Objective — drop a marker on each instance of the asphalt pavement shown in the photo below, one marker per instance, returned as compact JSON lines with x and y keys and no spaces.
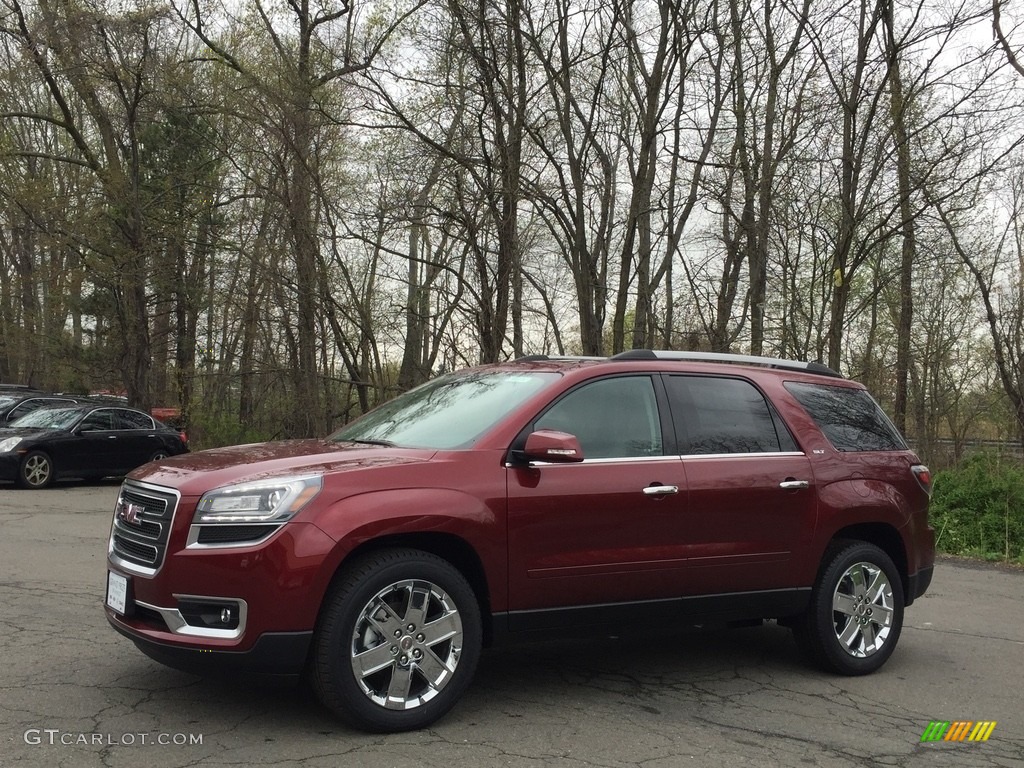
{"x":75,"y":693}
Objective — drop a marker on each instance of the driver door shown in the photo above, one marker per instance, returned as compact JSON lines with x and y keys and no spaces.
{"x":94,"y":449}
{"x":609,"y":529}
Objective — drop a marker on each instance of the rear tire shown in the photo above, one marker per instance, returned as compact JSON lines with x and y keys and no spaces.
{"x":397,"y":642}
{"x":36,"y":470}
{"x":856,"y":613}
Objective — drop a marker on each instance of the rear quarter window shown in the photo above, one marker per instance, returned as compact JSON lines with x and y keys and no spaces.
{"x":849,"y":418}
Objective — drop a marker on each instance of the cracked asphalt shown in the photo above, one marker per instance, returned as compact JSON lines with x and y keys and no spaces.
{"x":74,"y":693}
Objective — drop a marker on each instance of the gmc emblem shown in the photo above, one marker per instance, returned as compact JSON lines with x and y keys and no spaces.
{"x":131,"y":513}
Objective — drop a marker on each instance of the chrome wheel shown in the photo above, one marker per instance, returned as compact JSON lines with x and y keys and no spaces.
{"x":855,"y":615}
{"x":406,"y":644}
{"x":397,"y":641}
{"x":863,"y":609}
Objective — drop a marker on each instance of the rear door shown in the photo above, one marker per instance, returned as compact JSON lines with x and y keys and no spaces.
{"x":137,"y":439}
{"x":752,"y":499}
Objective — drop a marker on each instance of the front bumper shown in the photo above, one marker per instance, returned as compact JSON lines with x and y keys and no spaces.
{"x":221,"y":606}
{"x":274,"y":653}
{"x":9,"y":465}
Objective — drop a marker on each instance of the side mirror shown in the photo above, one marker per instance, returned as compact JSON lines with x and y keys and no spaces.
{"x":552,"y":446}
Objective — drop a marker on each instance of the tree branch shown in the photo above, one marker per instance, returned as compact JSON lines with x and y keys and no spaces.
{"x":1003,"y":42}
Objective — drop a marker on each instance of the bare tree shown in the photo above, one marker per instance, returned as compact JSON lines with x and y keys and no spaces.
{"x":307,"y":61}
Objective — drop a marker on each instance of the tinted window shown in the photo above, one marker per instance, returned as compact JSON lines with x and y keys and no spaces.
{"x":133,"y":420}
{"x":850,"y":418}
{"x":723,"y":416}
{"x":99,"y":421}
{"x":612,"y":418}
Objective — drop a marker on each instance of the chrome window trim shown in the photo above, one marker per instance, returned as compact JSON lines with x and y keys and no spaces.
{"x":604,"y":460}
{"x":629,"y":459}
{"x":673,"y":458}
{"x":176,"y":622}
{"x":753,"y":454}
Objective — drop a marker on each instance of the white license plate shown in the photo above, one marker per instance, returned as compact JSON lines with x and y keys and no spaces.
{"x":117,"y":592}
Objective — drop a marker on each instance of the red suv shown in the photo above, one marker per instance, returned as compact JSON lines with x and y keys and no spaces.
{"x":529,"y":498}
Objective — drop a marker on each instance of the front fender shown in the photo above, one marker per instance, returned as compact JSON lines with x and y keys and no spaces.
{"x":409,"y":512}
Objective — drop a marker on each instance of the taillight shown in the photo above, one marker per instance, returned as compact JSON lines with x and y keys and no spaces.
{"x":184,"y":438}
{"x":924,"y":477}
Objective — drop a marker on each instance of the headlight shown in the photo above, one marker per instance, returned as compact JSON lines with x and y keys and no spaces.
{"x":6,"y":446}
{"x":266,"y":501}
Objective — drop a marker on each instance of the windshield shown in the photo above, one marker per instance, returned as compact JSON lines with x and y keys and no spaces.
{"x":449,"y":412}
{"x":49,"y":418}
{"x":5,"y":401}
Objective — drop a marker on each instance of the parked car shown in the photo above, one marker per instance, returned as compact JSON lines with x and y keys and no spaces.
{"x":88,"y":441}
{"x":20,"y":401}
{"x":529,"y":499}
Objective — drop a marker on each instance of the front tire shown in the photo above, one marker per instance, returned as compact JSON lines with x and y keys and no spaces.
{"x":398,"y":641}
{"x":856,"y":613}
{"x":36,"y":470}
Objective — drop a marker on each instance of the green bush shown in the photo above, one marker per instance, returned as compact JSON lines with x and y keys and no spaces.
{"x":212,"y":431}
{"x":978,"y":509}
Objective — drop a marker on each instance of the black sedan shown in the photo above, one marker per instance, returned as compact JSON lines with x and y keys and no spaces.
{"x":85,"y":441}
{"x":19,"y":402}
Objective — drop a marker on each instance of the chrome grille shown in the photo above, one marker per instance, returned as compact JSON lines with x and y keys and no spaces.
{"x":142,"y":553}
{"x":142,"y":525}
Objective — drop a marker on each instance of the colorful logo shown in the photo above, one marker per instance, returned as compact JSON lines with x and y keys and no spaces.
{"x":958,"y":730}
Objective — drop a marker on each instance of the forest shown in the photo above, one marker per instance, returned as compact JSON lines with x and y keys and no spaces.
{"x":275,"y":214}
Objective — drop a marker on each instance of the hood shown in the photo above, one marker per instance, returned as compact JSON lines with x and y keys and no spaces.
{"x":193,"y":474}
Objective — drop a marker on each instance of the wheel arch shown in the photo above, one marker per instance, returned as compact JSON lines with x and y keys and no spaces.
{"x":454,"y":549}
{"x":886,"y":538}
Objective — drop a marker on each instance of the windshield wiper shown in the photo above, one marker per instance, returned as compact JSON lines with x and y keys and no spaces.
{"x":385,"y":443}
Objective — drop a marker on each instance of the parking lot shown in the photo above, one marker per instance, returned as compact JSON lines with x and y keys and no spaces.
{"x":75,"y":693}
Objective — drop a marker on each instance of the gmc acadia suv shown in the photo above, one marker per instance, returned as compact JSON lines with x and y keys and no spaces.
{"x":524,"y":499}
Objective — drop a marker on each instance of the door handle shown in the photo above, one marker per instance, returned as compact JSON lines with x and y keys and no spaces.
{"x":794,"y":485}
{"x":661,"y":490}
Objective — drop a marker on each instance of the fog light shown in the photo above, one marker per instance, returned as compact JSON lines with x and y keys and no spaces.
{"x":209,"y":612}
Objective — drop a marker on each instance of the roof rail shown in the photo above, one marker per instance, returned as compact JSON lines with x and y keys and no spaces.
{"x":542,"y":358}
{"x":723,"y":357}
